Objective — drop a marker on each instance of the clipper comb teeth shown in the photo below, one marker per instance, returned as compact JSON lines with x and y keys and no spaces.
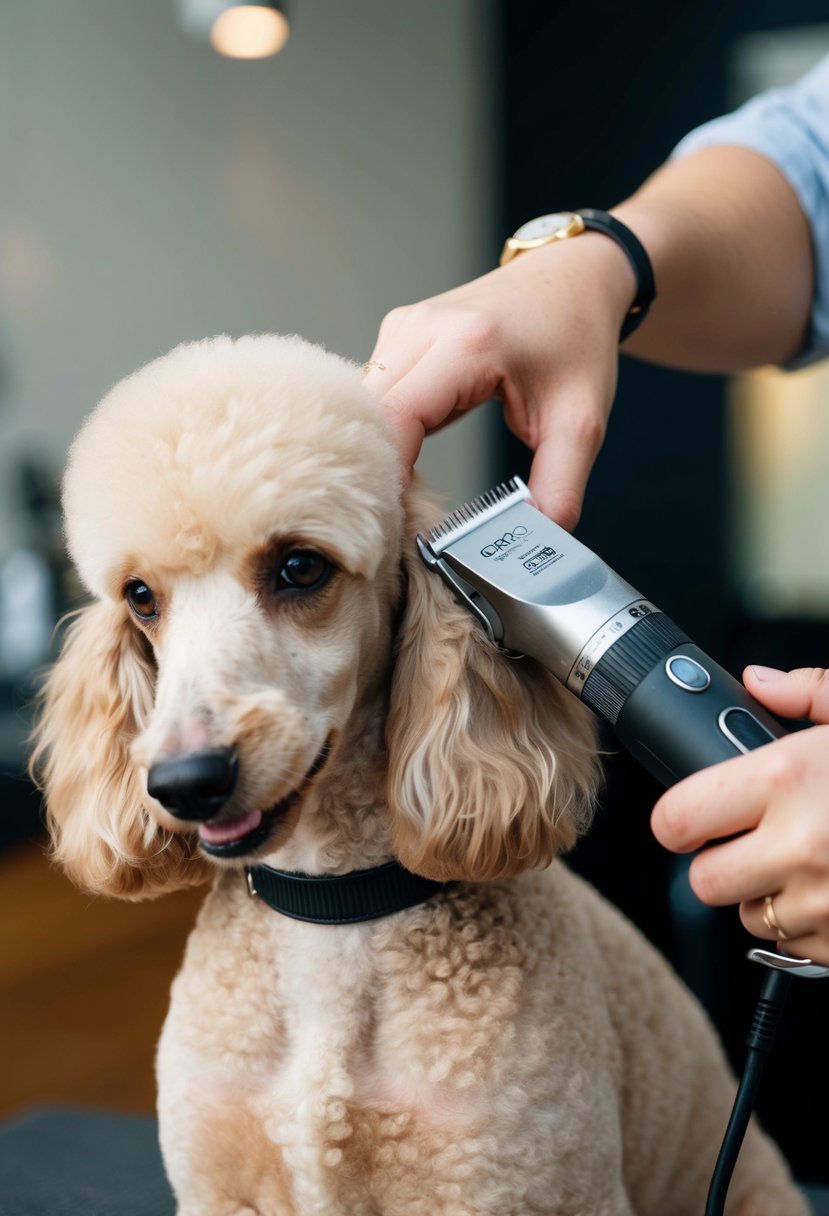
{"x":473,"y":513}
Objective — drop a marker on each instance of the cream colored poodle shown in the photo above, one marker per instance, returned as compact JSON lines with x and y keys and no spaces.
{"x":507,"y":1046}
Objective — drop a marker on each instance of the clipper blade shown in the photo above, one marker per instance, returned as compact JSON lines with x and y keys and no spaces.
{"x":534,"y":588}
{"x":473,"y":513}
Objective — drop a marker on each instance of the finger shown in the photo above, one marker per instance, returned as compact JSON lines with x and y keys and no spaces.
{"x":435,"y":390}
{"x":386,"y":366}
{"x":812,"y":946}
{"x":714,"y":803}
{"x":384,"y":370}
{"x":407,"y":435}
{"x":406,"y":432}
{"x":760,"y":919}
{"x":558,"y":479}
{"x":803,"y":939}
{"x":737,"y":870}
{"x":803,"y":693}
{"x":564,"y":458}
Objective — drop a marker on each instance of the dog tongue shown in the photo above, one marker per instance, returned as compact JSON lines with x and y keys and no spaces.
{"x":231,"y":829}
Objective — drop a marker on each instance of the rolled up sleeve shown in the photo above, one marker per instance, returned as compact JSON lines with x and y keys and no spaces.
{"x":790,"y":127}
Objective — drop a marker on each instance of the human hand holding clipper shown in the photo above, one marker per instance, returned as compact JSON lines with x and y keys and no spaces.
{"x":775,"y":806}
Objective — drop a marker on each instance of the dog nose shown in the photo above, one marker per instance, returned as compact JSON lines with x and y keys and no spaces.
{"x":194,"y":786}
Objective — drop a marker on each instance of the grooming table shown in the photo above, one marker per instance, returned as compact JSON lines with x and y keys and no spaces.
{"x":87,"y":1163}
{"x":82,"y":1163}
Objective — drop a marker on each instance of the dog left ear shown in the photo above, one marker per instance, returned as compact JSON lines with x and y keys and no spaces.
{"x":493,"y":765}
{"x":94,"y":702}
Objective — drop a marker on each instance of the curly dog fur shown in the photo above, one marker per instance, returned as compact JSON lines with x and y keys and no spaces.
{"x":511,"y":1046}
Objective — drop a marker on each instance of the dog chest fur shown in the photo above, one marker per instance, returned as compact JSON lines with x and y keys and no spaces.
{"x":340,"y":1048}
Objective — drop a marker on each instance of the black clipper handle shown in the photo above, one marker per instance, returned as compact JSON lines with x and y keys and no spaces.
{"x":675,"y":729}
{"x":674,"y":708}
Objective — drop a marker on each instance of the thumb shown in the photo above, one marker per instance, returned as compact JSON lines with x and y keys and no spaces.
{"x":559,"y":499}
{"x":803,"y":693}
{"x":559,"y":473}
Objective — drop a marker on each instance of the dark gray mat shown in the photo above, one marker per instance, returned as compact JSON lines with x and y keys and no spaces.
{"x":82,"y":1163}
{"x":818,"y":1196}
{"x":86,"y":1163}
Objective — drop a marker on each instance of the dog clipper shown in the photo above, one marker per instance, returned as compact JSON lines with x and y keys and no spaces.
{"x":537,"y":591}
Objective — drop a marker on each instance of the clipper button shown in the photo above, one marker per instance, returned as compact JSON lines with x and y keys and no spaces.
{"x":743,"y":730}
{"x":687,"y":673}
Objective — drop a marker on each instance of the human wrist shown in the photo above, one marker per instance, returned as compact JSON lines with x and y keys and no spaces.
{"x":590,"y":272}
{"x":608,"y":225}
{"x":560,"y":228}
{"x":619,"y":284}
{"x":608,"y":274}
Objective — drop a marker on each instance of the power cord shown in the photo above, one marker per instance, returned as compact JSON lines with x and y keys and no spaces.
{"x":759,"y":1041}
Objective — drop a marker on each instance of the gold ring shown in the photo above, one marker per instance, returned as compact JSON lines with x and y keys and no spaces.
{"x":770,"y":920}
{"x":367,"y":367}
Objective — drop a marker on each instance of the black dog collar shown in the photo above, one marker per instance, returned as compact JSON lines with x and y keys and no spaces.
{"x":341,"y":899}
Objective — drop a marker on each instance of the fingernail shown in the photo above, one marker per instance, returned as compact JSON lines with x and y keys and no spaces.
{"x":767,"y":674}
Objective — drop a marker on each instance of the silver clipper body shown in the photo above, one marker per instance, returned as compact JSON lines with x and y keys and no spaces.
{"x":537,"y":591}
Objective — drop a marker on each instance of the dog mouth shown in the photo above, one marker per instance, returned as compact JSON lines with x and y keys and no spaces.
{"x":244,"y":834}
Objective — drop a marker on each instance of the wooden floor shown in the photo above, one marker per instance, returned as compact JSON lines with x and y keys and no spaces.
{"x":83,"y":987}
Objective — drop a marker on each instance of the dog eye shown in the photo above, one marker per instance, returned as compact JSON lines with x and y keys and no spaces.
{"x":141,"y":600}
{"x":303,"y":570}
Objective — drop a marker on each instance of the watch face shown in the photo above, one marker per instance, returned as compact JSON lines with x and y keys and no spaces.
{"x":544,"y":226}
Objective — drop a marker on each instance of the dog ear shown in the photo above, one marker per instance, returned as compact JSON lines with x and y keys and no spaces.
{"x":493,"y":765}
{"x":94,"y":702}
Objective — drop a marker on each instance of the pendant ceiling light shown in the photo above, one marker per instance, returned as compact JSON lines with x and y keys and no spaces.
{"x":240,"y":31}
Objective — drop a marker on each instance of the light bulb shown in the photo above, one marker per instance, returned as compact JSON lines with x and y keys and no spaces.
{"x":249,"y":31}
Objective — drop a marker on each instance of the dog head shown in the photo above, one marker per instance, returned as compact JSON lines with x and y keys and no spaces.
{"x":235,"y":510}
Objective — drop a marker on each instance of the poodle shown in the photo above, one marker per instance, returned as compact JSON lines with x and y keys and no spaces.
{"x":269,"y":677}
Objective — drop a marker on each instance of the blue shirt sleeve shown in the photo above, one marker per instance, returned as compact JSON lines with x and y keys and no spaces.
{"x":790,"y":127}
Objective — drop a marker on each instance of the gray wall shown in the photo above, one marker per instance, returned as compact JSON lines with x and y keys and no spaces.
{"x":151,"y":191}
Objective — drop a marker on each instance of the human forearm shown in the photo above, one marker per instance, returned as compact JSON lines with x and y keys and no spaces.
{"x":732,"y":258}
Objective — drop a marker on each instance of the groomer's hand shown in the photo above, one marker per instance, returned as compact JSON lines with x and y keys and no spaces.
{"x":777,"y":797}
{"x":541,"y":334}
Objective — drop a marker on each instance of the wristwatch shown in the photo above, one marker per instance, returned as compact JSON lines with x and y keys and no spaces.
{"x":561,"y":225}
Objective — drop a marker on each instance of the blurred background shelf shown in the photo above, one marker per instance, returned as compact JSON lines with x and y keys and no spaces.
{"x":84,"y":986}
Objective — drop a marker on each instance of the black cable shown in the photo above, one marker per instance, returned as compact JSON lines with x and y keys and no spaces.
{"x":759,"y":1041}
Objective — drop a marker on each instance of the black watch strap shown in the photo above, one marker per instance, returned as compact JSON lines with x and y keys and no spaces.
{"x":600,"y":221}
